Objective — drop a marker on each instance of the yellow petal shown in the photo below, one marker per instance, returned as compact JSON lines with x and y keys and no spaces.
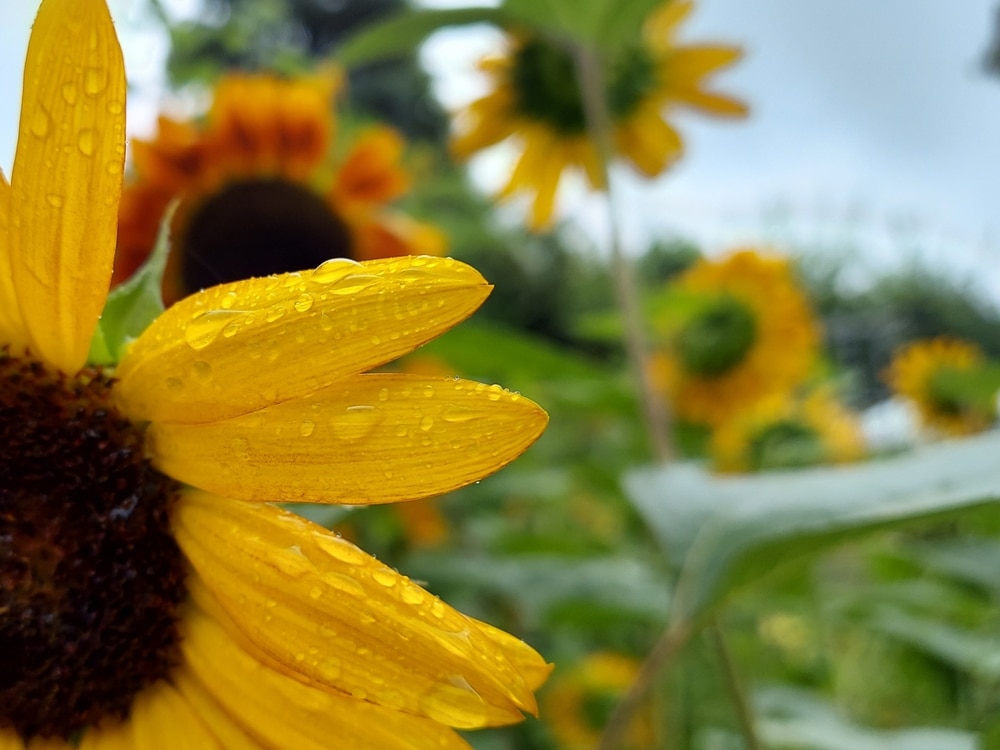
{"x":238,"y":347}
{"x":285,"y":713}
{"x":12,"y":330}
{"x":67,"y":177}
{"x":336,"y":616}
{"x":375,"y":438}
{"x":9,"y":740}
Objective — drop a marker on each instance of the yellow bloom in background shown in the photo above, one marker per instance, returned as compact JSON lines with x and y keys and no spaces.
{"x":536,"y":100}
{"x":916,"y":372}
{"x":150,"y":596}
{"x":749,"y":335}
{"x":788,"y":433}
{"x":261,"y":191}
{"x":578,"y":702}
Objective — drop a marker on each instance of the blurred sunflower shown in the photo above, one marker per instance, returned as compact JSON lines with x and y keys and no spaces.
{"x":258,"y":192}
{"x":579,"y":702}
{"x":150,"y":596}
{"x":925,"y":372}
{"x":747,"y":333}
{"x":787,"y":433}
{"x":536,"y":98}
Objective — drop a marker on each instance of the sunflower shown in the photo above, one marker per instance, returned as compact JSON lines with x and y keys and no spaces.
{"x":787,"y":433}
{"x":922,"y":372}
{"x":578,"y":704}
{"x":536,"y":99}
{"x":150,"y":594}
{"x":747,"y":333}
{"x":258,"y":193}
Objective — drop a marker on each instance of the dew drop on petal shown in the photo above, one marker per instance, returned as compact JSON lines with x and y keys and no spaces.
{"x":384,"y":577}
{"x":315,"y":592}
{"x":95,"y":80}
{"x":426,"y":423}
{"x":412,"y":595}
{"x":356,"y":422}
{"x":55,"y":200}
{"x":353,"y":283}
{"x":274,"y":313}
{"x":458,"y":414}
{"x":334,"y":270}
{"x":306,"y":427}
{"x":174,"y":384}
{"x":303,"y":303}
{"x":41,"y":122}
{"x":70,"y":92}
{"x":457,"y":705}
{"x":383,"y":394}
{"x":202,"y":370}
{"x":86,"y":141}
{"x":205,"y":328}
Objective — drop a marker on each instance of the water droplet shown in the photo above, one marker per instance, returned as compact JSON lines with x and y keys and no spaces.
{"x":494,"y":392}
{"x":426,"y":423}
{"x":55,"y":200}
{"x":304,"y":302}
{"x":70,"y":93}
{"x":341,"y":550}
{"x":306,"y":427}
{"x":115,"y":107}
{"x":329,"y":669}
{"x":95,"y":80}
{"x":334,"y":270}
{"x":229,"y":300}
{"x":231,"y":329}
{"x":383,"y":394}
{"x":412,"y":595}
{"x":205,"y":328}
{"x":376,"y":340}
{"x":41,"y":122}
{"x":174,"y":384}
{"x":353,"y":283}
{"x":87,"y":140}
{"x":202,"y":369}
{"x":458,"y":414}
{"x":385,"y":577}
{"x":357,"y":422}
{"x":457,"y":705}
{"x":325,"y":321}
{"x":274,"y":313}
{"x":315,"y":592}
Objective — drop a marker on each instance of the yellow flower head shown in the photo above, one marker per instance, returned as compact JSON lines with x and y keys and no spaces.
{"x":258,"y":191}
{"x":749,"y":335}
{"x":150,"y":593}
{"x":578,"y":703}
{"x":916,"y":373}
{"x":536,"y":99}
{"x":786,"y":433}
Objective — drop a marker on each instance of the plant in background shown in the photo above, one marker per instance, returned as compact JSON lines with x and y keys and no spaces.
{"x":785,"y":432}
{"x":577,"y":703}
{"x":264,"y":187}
{"x":150,"y":593}
{"x":536,"y":100}
{"x":951,"y":384}
{"x":741,"y":331}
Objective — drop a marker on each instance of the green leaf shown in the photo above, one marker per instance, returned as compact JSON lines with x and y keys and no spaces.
{"x":132,"y":305}
{"x":723,"y":533}
{"x":789,"y":717}
{"x":401,"y":34}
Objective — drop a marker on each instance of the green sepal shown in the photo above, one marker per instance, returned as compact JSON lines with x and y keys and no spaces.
{"x":133,"y":304}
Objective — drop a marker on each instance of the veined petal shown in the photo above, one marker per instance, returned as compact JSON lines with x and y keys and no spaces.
{"x":239,"y":347}
{"x":372,"y":438}
{"x":67,"y":177}
{"x":283,"y":712}
{"x":12,"y":330}
{"x":338,"y":617}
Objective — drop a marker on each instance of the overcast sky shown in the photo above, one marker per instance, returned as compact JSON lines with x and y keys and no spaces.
{"x":871,"y":119}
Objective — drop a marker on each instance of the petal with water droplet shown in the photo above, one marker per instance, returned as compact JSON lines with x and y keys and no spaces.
{"x":315,"y":345}
{"x":374,"y":438}
{"x":61,"y":251}
{"x":406,"y":651}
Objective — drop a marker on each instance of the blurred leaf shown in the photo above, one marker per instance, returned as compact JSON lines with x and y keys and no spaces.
{"x":971,"y":561}
{"x":134,"y":304}
{"x":403,"y":33}
{"x":606,"y":25}
{"x":726,"y":532}
{"x":790,"y":718}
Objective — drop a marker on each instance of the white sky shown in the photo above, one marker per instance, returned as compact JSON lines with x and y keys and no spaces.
{"x":871,"y":122}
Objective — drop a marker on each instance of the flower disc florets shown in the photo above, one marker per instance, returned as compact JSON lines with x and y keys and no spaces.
{"x":90,"y":575}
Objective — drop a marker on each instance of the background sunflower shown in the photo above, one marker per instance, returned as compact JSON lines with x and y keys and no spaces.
{"x":537,"y":100}
{"x":263,"y":188}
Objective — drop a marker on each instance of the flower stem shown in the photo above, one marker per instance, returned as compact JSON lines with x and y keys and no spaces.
{"x":654,"y":409}
{"x":735,"y":688}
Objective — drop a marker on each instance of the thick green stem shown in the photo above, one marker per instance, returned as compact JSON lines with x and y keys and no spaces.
{"x":654,"y":409}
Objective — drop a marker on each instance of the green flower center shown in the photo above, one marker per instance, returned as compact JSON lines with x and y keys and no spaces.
{"x":547,"y":89}
{"x":90,"y":575}
{"x":718,"y":338}
{"x":786,"y":444}
{"x":257,"y":228}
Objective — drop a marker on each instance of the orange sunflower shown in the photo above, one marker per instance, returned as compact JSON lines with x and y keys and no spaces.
{"x":151,"y":593}
{"x":259,"y":191}
{"x":536,"y":100}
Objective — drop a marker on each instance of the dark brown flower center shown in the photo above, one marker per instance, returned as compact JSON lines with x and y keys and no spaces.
{"x":90,"y":575}
{"x":256,"y":228}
